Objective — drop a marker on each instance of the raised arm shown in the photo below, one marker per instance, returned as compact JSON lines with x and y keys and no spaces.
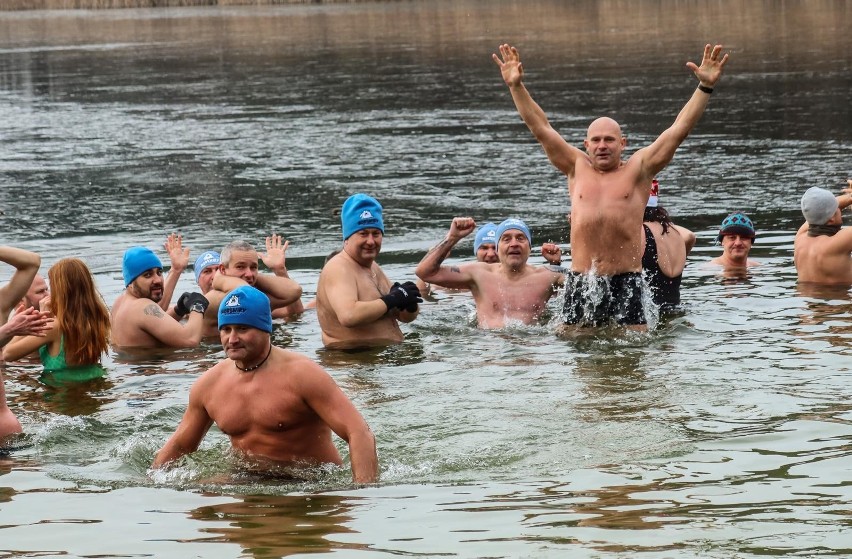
{"x":430,"y":269}
{"x":329,"y":402}
{"x":656,"y":156}
{"x":190,"y":432}
{"x":278,"y":286}
{"x":26,"y":265}
{"x":562,"y":155}
{"x":179,"y":257}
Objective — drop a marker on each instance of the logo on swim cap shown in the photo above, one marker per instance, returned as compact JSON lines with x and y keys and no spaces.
{"x":366,"y":215}
{"x":234,"y":301}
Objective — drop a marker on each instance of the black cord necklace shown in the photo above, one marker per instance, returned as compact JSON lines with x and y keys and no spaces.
{"x":255,"y":367}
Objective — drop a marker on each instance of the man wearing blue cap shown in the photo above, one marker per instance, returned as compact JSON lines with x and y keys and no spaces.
{"x":736,"y":234}
{"x":205,"y":268}
{"x":239,"y":265}
{"x":138,"y":318}
{"x":277,"y":407}
{"x":608,"y":193}
{"x":506,"y":291}
{"x":356,"y":304}
{"x":822,"y":250}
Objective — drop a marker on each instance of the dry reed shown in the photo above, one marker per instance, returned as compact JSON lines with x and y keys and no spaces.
{"x":13,"y":5}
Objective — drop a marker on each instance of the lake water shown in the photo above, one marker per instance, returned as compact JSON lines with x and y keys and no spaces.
{"x":726,"y":432}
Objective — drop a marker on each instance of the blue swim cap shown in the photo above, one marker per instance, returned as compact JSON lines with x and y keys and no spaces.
{"x":361,"y":212}
{"x":736,"y":224}
{"x":138,"y":260}
{"x":485,"y":235}
{"x":205,"y":259}
{"x":246,"y":306}
{"x":513,"y":223}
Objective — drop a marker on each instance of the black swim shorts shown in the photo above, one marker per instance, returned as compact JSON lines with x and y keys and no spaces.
{"x":598,"y":300}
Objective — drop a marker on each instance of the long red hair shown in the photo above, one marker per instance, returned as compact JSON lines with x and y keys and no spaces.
{"x":80,"y":311}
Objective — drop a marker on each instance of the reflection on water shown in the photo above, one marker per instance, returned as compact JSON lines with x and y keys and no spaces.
{"x":724,"y":432}
{"x":257,"y":523}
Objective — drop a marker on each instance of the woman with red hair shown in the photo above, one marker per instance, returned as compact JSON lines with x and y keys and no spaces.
{"x":78,"y":336}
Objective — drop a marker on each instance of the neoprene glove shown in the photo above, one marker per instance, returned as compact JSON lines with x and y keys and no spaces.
{"x":189,"y":302}
{"x":403,"y":297}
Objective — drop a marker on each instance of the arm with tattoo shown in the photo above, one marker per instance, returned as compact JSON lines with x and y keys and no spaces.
{"x":430,"y":269}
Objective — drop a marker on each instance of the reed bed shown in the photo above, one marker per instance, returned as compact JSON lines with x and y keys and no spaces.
{"x":13,"y":5}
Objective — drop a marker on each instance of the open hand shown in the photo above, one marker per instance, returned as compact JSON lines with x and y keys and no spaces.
{"x":510,"y":65}
{"x":28,"y":322}
{"x":275,"y":256}
{"x":711,"y":65}
{"x":178,"y":255}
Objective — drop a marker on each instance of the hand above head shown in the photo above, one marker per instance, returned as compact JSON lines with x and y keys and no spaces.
{"x":191,"y":302}
{"x":711,"y":65}
{"x":178,"y":255}
{"x":552,"y":253}
{"x":510,"y":65}
{"x":275,"y":256}
{"x":461,"y":227}
{"x":404,"y":297}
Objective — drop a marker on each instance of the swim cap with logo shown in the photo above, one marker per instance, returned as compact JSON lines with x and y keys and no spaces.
{"x":818,"y":205}
{"x":487,"y":234}
{"x":138,"y":260}
{"x":246,"y":306}
{"x":361,"y":212}
{"x":513,"y":223}
{"x":204,"y":260}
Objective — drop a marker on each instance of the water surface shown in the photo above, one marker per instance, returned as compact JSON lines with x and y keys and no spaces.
{"x":724,"y":433}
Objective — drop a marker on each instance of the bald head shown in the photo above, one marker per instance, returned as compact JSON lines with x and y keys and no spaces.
{"x":604,"y":125}
{"x":37,"y":291}
{"x":604,"y":143}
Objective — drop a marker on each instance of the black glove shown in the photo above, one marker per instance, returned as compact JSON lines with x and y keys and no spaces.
{"x":189,"y":302}
{"x":403,"y":297}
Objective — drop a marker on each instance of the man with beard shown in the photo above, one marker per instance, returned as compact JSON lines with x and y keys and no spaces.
{"x":238,"y":266}
{"x":277,"y":407}
{"x":608,"y":194}
{"x":509,"y":290}
{"x":357,"y":306}
{"x":137,"y":316}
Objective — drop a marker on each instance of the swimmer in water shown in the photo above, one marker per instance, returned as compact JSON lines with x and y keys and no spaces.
{"x":509,"y":290}
{"x":277,"y":407}
{"x":357,"y":306}
{"x":608,"y":194}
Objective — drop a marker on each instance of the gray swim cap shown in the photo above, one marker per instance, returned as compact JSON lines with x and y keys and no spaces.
{"x":818,"y":205}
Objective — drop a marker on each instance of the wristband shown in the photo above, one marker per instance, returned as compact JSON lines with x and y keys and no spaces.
{"x":705,"y":89}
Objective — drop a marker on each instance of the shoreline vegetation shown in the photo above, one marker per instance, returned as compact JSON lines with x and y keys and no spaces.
{"x":19,"y":5}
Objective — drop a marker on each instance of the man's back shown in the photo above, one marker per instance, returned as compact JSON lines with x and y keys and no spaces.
{"x":824,"y":259}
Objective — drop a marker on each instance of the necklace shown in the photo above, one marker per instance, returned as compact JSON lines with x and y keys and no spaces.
{"x":255,"y":367}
